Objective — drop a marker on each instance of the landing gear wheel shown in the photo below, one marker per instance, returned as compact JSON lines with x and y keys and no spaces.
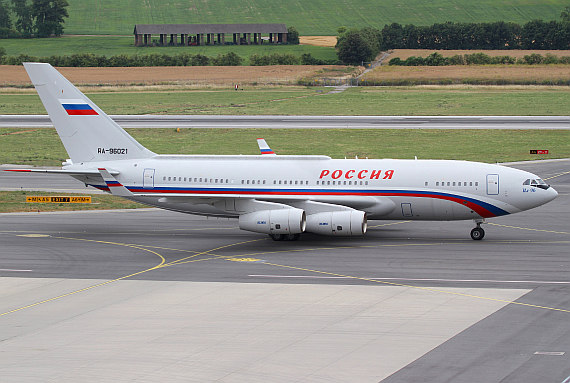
{"x":292,"y":237}
{"x":277,"y":237}
{"x":477,"y":234}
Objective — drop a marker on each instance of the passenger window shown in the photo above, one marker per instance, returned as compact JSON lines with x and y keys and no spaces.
{"x":365,"y":182}
{"x":437,"y":183}
{"x":242,"y":182}
{"x":470,"y":183}
{"x":476,"y":183}
{"x":169,"y":178}
{"x":425,"y":183}
{"x":164,"y":178}
{"x":448,"y":183}
{"x":328,"y":182}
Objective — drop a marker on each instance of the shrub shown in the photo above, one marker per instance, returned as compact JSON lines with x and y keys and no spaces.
{"x":200,"y":60}
{"x":273,"y":59}
{"x":396,"y":61}
{"x":533,"y":59}
{"x":477,"y":59}
{"x":456,"y":60}
{"x":229,"y":59}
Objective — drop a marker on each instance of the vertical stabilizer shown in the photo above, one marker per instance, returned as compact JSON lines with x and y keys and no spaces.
{"x":87,"y":133}
{"x":264,"y":148}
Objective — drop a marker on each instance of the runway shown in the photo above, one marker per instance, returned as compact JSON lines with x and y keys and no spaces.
{"x":153,"y":295}
{"x":315,"y":122}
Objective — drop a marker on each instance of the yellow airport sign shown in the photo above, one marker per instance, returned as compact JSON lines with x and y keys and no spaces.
{"x":58,"y":199}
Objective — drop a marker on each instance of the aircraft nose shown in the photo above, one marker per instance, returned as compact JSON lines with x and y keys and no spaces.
{"x":552,"y":193}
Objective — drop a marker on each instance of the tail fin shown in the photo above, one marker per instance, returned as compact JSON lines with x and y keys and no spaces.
{"x":87,"y":133}
{"x":264,"y":148}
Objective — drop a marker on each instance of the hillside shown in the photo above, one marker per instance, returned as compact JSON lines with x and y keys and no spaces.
{"x":315,"y":17}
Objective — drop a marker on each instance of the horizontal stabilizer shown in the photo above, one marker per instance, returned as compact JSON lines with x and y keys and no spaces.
{"x":62,"y":171}
{"x":115,"y":187}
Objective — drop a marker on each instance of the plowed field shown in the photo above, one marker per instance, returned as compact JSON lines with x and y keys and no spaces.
{"x":195,"y":75}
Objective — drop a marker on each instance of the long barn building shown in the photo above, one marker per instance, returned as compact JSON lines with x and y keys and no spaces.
{"x":209,"y":34}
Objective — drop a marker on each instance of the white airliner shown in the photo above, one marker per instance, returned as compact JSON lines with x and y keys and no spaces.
{"x":282,"y":196}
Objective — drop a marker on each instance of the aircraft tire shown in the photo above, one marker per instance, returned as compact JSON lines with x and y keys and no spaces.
{"x":277,"y":237}
{"x":477,"y":234}
{"x":293,"y":237}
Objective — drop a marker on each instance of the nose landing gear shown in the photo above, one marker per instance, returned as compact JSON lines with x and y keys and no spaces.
{"x":478,"y":233}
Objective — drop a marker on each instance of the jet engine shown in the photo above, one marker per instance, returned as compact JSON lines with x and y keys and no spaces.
{"x":279,"y":221}
{"x":338,"y":223}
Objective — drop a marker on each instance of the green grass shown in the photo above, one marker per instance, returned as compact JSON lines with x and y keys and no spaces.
{"x":315,"y":17}
{"x":115,"y":45}
{"x":43,"y":147}
{"x":312,"y":101}
{"x":15,"y":201}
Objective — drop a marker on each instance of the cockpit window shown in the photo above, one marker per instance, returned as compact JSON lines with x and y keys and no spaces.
{"x":537,"y":183}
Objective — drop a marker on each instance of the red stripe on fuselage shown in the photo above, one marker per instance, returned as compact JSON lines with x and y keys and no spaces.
{"x":81,"y":112}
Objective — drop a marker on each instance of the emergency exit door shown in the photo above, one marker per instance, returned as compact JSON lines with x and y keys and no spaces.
{"x":492,"y":184}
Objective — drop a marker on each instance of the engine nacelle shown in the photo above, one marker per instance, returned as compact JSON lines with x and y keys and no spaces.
{"x":338,"y":223}
{"x":279,"y":221}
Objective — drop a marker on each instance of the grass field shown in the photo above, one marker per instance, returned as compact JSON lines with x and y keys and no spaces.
{"x":43,"y":147}
{"x":116,"y":45}
{"x":15,"y":201}
{"x":315,"y":17}
{"x":444,"y":101}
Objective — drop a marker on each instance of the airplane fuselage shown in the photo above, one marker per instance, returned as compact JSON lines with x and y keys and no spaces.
{"x":384,"y":189}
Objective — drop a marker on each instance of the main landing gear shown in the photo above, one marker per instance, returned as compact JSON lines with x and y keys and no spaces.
{"x":478,"y":233}
{"x":285,"y":237}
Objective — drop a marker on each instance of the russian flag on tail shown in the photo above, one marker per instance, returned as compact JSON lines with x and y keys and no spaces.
{"x":78,"y":108}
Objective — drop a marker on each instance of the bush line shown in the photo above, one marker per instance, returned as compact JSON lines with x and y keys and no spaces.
{"x":436,"y":59}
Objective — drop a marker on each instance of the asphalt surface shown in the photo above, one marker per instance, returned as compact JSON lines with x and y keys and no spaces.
{"x":315,"y":122}
{"x":525,"y":254}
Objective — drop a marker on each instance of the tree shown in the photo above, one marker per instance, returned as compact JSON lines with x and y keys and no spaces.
{"x":393,"y":36}
{"x":25,"y":21}
{"x":49,"y":16}
{"x":5,"y":21}
{"x":292,"y":35}
{"x":353,"y":48}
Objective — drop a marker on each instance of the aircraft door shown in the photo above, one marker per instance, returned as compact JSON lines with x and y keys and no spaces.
{"x":148,"y":179}
{"x":492,"y":184}
{"x":407,"y":210}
